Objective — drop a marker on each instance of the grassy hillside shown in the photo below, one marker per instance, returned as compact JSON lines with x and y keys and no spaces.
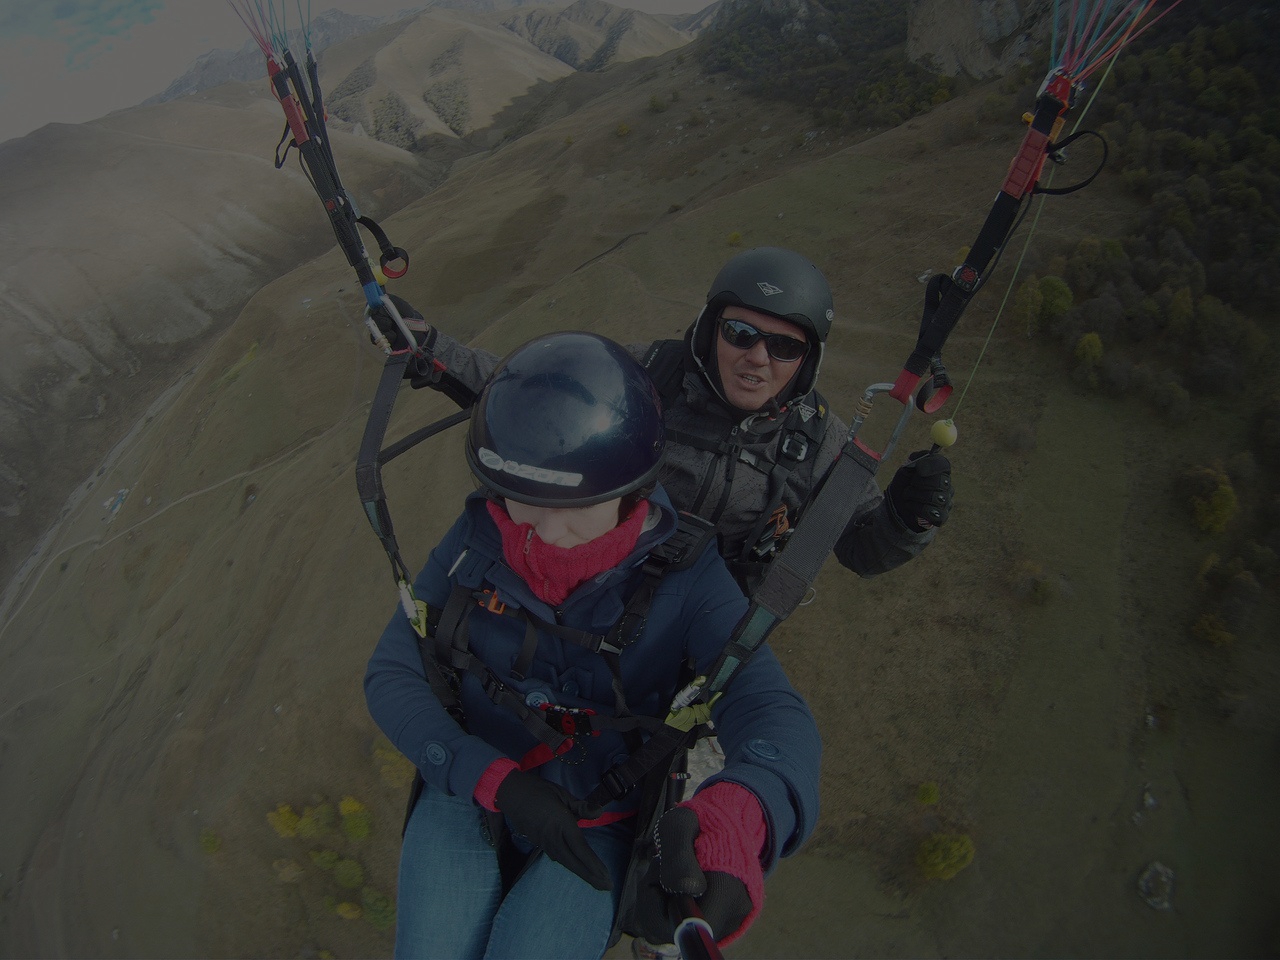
{"x":178,"y":750}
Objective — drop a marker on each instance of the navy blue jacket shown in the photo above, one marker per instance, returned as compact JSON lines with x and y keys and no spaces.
{"x":769,"y":737}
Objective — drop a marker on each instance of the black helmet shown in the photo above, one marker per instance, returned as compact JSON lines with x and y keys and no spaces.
{"x":778,"y":282}
{"x":567,"y":420}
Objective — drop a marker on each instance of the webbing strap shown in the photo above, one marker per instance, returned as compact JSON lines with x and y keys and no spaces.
{"x":369,"y":462}
{"x":622,"y":778}
{"x":795,"y":568}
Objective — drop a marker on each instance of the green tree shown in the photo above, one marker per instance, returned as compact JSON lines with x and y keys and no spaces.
{"x":1089,"y":350}
{"x":1027,"y":304}
{"x":1055,"y":297}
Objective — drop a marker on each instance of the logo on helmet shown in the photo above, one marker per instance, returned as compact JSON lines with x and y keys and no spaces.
{"x":524,"y":470}
{"x":768,"y":289}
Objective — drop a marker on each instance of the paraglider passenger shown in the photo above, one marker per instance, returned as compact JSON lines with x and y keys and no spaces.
{"x":541,"y":673}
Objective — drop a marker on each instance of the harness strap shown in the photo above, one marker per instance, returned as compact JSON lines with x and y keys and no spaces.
{"x":452,"y":645}
{"x":665,"y":363}
{"x":622,"y":778}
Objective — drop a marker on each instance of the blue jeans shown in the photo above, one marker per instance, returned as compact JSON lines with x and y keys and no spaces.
{"x":450,"y":903}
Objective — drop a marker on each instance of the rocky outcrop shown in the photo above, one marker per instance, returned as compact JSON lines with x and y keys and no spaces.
{"x":980,"y":38}
{"x":591,"y":34}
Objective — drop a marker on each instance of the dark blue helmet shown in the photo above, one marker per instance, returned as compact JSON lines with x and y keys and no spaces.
{"x":567,"y":420}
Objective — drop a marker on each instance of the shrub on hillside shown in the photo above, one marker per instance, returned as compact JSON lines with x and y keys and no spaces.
{"x":1027,"y":303}
{"x":393,"y":123}
{"x":1089,"y":350}
{"x":1211,"y":497}
{"x":348,"y":874}
{"x":1209,"y":629}
{"x":941,"y":856}
{"x":1055,"y":299}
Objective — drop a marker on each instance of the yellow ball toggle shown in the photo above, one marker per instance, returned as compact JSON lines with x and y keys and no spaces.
{"x":943,"y":433}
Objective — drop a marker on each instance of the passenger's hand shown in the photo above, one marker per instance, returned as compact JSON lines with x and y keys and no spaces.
{"x":708,"y":849}
{"x":547,"y":816}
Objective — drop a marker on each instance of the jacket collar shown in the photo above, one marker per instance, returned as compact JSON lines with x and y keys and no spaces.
{"x":484,"y":538}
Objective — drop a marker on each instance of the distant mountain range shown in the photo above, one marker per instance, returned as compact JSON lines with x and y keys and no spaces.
{"x":587,"y":35}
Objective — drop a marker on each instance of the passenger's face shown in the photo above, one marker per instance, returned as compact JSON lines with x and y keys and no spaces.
{"x":567,"y":526}
{"x":750,"y":378}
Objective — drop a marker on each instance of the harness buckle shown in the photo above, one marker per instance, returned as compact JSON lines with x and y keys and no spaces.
{"x":795,"y":447}
{"x":568,"y":719}
{"x":488,"y":599}
{"x":615,"y":784}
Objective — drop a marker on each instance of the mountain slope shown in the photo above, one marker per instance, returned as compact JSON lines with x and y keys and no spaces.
{"x":125,"y":243}
{"x":592,"y":34}
{"x":183,"y":662}
{"x":446,"y":72}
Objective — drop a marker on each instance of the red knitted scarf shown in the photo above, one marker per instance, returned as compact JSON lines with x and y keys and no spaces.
{"x":553,"y":573}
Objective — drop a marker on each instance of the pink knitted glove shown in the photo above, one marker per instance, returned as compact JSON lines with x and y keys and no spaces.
{"x":487,"y":789}
{"x":730,"y":840}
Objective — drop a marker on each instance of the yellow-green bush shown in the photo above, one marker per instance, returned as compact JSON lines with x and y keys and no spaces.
{"x":942,"y":855}
{"x":928,"y":794}
{"x":316,"y":821}
{"x":1055,"y":298}
{"x":1089,"y":350}
{"x":1214,"y":512}
{"x":395,"y":768}
{"x":1211,"y":629}
{"x":284,"y":820}
{"x":1211,"y":497}
{"x":348,"y":911}
{"x":348,"y":874}
{"x":325,"y":859}
{"x":379,"y":909}
{"x":1026,"y":305}
{"x":210,"y":842}
{"x":357,"y":820}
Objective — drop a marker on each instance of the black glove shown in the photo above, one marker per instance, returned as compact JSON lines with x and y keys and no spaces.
{"x":674,"y":874}
{"x":547,"y":816}
{"x":920,"y":492}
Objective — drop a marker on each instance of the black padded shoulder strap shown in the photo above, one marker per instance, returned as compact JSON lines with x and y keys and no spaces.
{"x":665,"y":365}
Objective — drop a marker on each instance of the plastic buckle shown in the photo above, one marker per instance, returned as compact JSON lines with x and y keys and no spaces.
{"x":489,"y":601}
{"x":615,"y":784}
{"x":799,"y":451}
{"x":568,"y":719}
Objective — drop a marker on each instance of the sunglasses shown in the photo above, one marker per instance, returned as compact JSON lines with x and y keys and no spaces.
{"x":743,"y":336}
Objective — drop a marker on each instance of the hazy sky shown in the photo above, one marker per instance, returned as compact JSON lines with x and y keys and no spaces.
{"x":69,"y":61}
